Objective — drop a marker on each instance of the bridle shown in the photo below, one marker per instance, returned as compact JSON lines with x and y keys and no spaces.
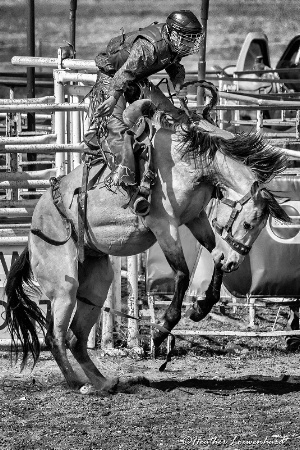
{"x":226,"y":231}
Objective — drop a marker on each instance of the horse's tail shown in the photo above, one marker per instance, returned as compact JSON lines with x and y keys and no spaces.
{"x":23,"y":314}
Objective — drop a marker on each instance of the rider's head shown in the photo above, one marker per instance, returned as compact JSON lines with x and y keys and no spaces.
{"x":184,"y":32}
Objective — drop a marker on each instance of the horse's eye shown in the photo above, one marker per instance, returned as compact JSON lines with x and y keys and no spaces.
{"x":247,"y":226}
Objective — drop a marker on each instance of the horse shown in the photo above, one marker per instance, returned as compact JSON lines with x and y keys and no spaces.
{"x":193,"y":164}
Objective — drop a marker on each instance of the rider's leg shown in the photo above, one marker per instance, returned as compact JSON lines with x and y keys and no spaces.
{"x":121,"y":144}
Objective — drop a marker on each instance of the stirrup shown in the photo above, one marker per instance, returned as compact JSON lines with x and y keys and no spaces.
{"x":141,"y":206}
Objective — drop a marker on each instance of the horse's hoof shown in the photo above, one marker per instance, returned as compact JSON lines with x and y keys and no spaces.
{"x":194,"y":315}
{"x":87,"y":389}
{"x":107,"y":387}
{"x":198,"y":311}
{"x":293,"y":344}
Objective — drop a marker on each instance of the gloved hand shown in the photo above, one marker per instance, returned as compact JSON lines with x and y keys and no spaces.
{"x":180,"y":92}
{"x":106,"y":108}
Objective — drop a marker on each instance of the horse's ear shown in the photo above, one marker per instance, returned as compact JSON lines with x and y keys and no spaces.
{"x":254,"y":188}
{"x":217,"y":193}
{"x":281,"y":196}
{"x":279,"y":213}
{"x":275,"y":210}
{"x":282,"y":200}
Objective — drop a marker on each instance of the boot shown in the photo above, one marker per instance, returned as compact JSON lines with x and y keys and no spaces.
{"x":91,"y":139}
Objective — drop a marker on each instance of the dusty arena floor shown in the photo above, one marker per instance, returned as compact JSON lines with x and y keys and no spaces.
{"x":241,"y":399}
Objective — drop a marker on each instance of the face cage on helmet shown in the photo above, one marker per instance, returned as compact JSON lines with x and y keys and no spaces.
{"x":178,"y":40}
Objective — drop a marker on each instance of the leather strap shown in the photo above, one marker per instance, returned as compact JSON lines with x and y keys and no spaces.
{"x":227,"y":236}
{"x":82,"y":200}
{"x":59,"y":204}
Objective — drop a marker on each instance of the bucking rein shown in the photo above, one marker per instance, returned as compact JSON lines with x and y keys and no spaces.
{"x":143,"y":133}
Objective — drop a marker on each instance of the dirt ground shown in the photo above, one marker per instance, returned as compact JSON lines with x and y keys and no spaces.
{"x":230,"y":394}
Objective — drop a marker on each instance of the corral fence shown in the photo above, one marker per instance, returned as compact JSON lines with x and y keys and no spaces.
{"x":57,"y":146}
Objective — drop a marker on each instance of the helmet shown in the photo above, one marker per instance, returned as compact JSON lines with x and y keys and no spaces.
{"x":184,"y":32}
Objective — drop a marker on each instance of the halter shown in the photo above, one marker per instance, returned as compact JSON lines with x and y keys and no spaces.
{"x":226,"y":231}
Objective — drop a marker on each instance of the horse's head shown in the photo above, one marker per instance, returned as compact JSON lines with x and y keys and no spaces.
{"x":239,"y":221}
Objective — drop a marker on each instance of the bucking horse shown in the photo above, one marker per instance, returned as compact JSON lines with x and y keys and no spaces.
{"x":193,"y":163}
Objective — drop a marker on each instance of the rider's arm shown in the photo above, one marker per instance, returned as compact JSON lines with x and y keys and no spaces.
{"x":142,"y":56}
{"x":176,"y":72}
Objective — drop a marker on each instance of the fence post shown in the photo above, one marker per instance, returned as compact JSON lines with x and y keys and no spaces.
{"x":251,"y":311}
{"x":59,"y":124}
{"x":132,"y":283}
{"x":202,"y":52}
{"x":112,"y":301}
{"x":76,"y":132}
{"x":260,"y":121}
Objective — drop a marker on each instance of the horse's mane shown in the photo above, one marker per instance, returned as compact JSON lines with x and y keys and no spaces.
{"x":250,"y":149}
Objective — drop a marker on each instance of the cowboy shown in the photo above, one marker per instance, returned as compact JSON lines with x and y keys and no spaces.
{"x":123,"y":71}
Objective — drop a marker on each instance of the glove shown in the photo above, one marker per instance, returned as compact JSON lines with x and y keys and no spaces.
{"x":106,"y":108}
{"x":180,"y":93}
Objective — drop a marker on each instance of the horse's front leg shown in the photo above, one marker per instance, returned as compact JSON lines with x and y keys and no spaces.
{"x":170,"y":244}
{"x":199,"y":310}
{"x":201,"y":229}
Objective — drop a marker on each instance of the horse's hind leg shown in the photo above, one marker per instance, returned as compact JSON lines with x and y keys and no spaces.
{"x":95,"y":277}
{"x":55,"y":268}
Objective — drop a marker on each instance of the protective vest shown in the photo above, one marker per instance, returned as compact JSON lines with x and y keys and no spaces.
{"x":118,"y":49}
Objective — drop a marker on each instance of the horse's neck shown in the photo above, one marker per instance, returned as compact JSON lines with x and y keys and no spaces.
{"x":235,"y":175}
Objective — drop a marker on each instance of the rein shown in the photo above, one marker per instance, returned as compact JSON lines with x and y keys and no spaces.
{"x":226,"y":231}
{"x":207,"y":108}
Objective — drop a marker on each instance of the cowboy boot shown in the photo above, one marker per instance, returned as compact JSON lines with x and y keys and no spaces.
{"x":91,"y":139}
{"x":124,"y":176}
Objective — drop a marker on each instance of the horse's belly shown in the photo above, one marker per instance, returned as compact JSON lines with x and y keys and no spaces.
{"x":121,"y":241}
{"x":117,"y":231}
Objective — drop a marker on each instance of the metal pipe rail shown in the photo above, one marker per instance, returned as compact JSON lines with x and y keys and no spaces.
{"x":235,"y":333}
{"x":42,"y":148}
{"x":26,"y":101}
{"x":56,"y":63}
{"x":16,"y":204}
{"x":15,"y":140}
{"x":23,"y":83}
{"x":16,"y":212}
{"x":39,"y":118}
{"x":266,"y":70}
{"x":21,"y":184}
{"x":13,"y":240}
{"x":261,"y":102}
{"x":286,"y":106}
{"x":277,"y":122}
{"x":34,"y":175}
{"x":53,"y":107}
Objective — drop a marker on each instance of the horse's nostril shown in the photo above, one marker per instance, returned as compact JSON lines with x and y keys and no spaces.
{"x":230,"y":267}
